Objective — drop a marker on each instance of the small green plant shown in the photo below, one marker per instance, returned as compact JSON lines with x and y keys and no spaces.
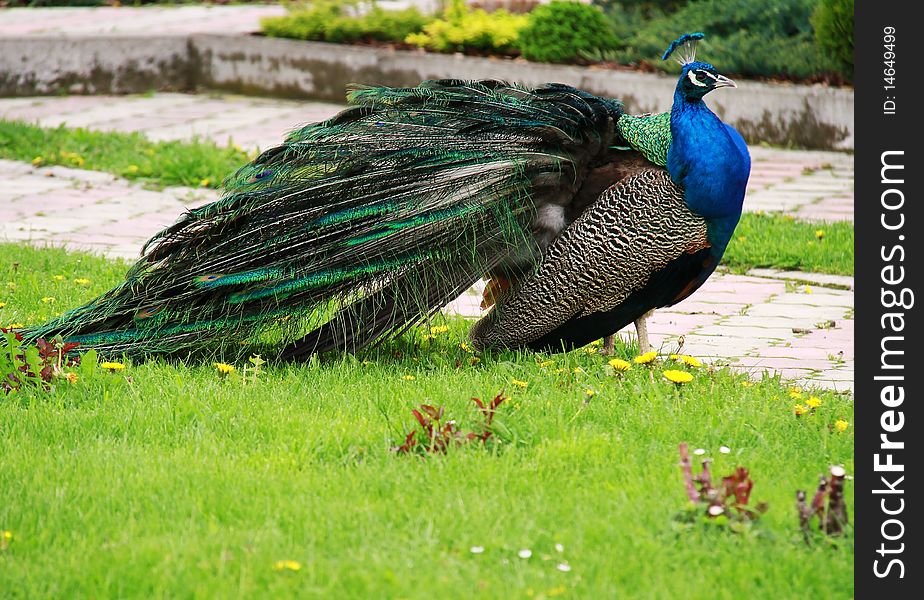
{"x":563,"y":31}
{"x":833,"y":23}
{"x":465,"y":30}
{"x":340,"y":21}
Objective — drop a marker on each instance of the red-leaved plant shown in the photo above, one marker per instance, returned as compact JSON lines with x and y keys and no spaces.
{"x":35,"y":365}
{"x":437,"y":435}
{"x":729,"y":499}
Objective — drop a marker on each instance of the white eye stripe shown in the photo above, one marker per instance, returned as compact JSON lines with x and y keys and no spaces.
{"x":692,"y":77}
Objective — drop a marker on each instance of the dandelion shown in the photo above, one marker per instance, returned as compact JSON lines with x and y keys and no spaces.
{"x":287,"y":565}
{"x":58,"y":277}
{"x":841,"y":425}
{"x":795,"y":394}
{"x":813,"y":402}
{"x":808,"y":289}
{"x":48,"y":300}
{"x":678,"y":377}
{"x":590,"y":393}
{"x":619,"y":364}
{"x":747,"y":384}
{"x":820,"y":234}
{"x":15,"y":326}
{"x":205,"y":182}
{"x":71,"y":377}
{"x":38,"y":161}
{"x":687,"y":360}
{"x":476,"y":549}
{"x":578,"y":370}
{"x":644,"y":359}
{"x":560,"y":371}
{"x":82,"y":281}
{"x":2,"y":304}
{"x":525,"y":553}
{"x":439,"y":329}
{"x":112,"y":366}
{"x":542,"y":365}
{"x":800,"y":410}
{"x":590,"y":350}
{"x":7,"y":535}
{"x":408,"y":377}
{"x":520,"y":384}
{"x":132,"y":169}
{"x":466,"y":348}
{"x":223,"y":368}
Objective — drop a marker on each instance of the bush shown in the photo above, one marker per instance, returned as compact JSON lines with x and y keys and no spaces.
{"x":563,"y":31}
{"x":743,"y":37}
{"x":333,"y":21}
{"x":833,"y":23}
{"x":464,"y":30}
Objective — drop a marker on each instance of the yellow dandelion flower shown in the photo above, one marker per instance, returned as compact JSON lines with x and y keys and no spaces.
{"x":519,"y":384}
{"x":82,"y":281}
{"x":678,"y":377}
{"x":408,"y":377}
{"x":820,"y":234}
{"x":71,"y":377}
{"x":590,"y":350}
{"x":6,"y":535}
{"x":427,"y":336}
{"x":15,"y":326}
{"x":560,"y":371}
{"x":597,"y":343}
{"x":112,"y":366}
{"x":813,"y":402}
{"x":747,"y":384}
{"x":619,"y":364}
{"x":224,"y":368}
{"x":741,"y":238}
{"x":841,"y":425}
{"x":132,"y":169}
{"x":38,"y":161}
{"x":800,"y":409}
{"x":439,"y":329}
{"x":795,"y":394}
{"x":644,"y":359}
{"x":578,"y":370}
{"x":48,"y":300}
{"x":2,"y":304}
{"x":205,"y":182}
{"x":542,"y":365}
{"x":590,"y":393}
{"x":808,"y":289}
{"x":287,"y":565}
{"x":466,"y":347}
{"x":687,"y":360}
{"x":58,"y":277}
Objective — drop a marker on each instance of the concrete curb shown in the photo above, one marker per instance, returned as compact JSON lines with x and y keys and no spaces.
{"x":807,"y":116}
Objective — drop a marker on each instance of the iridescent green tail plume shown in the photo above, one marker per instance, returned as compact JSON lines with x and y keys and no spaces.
{"x":357,"y":227}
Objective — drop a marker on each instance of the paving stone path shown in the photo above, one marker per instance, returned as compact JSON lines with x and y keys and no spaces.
{"x":798,"y":325}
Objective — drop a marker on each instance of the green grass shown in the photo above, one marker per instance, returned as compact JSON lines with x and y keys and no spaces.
{"x":128,"y":155}
{"x":778,"y":241}
{"x":167,"y":480}
{"x":760,"y":240}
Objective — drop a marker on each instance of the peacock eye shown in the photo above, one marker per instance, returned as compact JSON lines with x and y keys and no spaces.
{"x":701,"y":75}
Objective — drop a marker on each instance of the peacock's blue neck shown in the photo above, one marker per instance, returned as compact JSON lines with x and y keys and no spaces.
{"x":710,"y":160}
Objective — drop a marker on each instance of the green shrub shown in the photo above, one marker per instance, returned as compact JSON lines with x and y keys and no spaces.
{"x":338,"y":21}
{"x":743,"y":37}
{"x":833,"y":23}
{"x":463,"y":30}
{"x":562,"y":31}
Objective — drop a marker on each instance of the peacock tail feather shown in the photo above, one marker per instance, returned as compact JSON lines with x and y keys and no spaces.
{"x":357,"y":227}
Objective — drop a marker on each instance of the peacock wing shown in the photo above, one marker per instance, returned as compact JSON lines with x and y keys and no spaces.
{"x":637,"y":248}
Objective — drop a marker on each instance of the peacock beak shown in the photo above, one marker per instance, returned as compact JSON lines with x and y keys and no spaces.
{"x":723,"y":81}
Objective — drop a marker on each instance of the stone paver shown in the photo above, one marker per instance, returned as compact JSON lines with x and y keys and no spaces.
{"x":796,"y":325}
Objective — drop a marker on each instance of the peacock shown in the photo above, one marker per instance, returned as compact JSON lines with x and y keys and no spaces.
{"x":582,"y":218}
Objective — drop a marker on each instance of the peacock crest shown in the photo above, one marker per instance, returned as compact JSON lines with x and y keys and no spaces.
{"x":683,"y":48}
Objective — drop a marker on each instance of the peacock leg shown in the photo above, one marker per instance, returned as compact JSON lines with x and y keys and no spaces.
{"x":609,"y":345}
{"x":641,"y":328}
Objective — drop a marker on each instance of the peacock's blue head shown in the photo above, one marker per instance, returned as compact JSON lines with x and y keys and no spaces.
{"x":696,"y":78}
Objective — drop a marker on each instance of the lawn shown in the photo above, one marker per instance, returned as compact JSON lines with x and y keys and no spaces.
{"x":168,"y":479}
